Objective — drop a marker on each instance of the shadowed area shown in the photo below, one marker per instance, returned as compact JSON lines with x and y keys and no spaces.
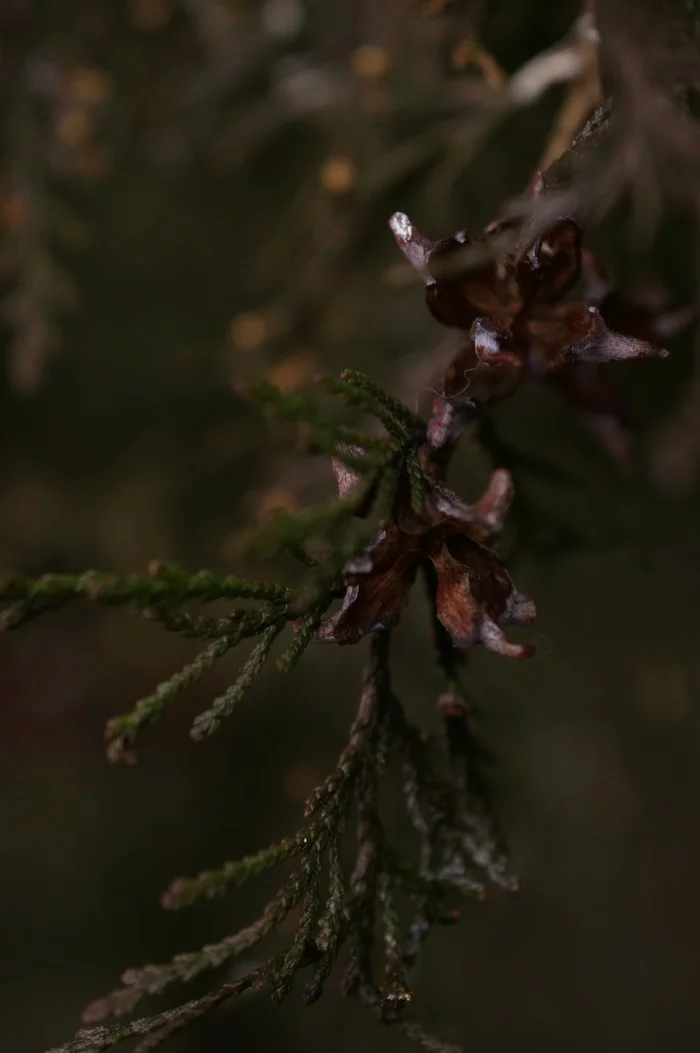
{"x":195,"y":196}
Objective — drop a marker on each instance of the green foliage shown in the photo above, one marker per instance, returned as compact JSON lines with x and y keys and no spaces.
{"x":161,"y":594}
{"x":358,"y":896}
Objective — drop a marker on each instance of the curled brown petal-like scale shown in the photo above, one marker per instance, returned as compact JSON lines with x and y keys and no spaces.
{"x":447,"y":507}
{"x":455,"y":606}
{"x":346,"y":478}
{"x":389,"y":548}
{"x":455,"y":292}
{"x":519,"y":610}
{"x":603,"y":345}
{"x":492,"y":508}
{"x":378,"y":583}
{"x":484,"y":372}
{"x":458,"y":299}
{"x":470,"y":382}
{"x":372,"y":604}
{"x":550,"y":267}
{"x":448,"y":420}
{"x":494,"y":344}
{"x":481,"y":521}
{"x":415,"y":246}
{"x":559,"y":333}
{"x":474,"y":592}
{"x":494,"y":639}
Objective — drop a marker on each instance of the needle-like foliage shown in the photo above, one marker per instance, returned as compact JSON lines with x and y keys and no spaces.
{"x":529,"y":302}
{"x":355,"y":896}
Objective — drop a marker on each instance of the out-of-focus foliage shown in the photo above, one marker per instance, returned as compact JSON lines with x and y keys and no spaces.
{"x":316,"y":119}
{"x":196,"y":194}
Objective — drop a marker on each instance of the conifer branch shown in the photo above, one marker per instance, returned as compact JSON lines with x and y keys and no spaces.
{"x":394,"y":520}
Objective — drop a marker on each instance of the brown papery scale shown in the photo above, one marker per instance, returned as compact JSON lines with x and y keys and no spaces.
{"x":542,"y":308}
{"x":474,"y":594}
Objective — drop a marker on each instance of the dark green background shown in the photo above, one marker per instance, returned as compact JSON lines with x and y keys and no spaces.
{"x":137,"y":445}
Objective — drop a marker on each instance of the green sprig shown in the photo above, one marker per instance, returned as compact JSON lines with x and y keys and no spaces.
{"x":222,"y":707}
{"x":211,"y":883}
{"x":165,"y":585}
{"x":121,"y":732}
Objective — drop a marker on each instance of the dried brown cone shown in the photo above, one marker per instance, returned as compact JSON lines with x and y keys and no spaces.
{"x":542,"y":307}
{"x":474,"y":596}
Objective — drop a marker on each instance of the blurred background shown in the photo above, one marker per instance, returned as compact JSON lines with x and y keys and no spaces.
{"x":194,"y":193}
